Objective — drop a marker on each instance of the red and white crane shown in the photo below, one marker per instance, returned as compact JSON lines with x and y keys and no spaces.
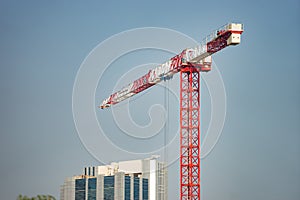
{"x":190,"y":62}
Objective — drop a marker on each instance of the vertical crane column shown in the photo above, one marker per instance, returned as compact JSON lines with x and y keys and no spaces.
{"x":189,"y":133}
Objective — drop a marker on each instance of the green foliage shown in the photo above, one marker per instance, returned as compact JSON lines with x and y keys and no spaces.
{"x":39,"y":197}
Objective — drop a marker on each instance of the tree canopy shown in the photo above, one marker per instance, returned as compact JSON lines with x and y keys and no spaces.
{"x":38,"y":197}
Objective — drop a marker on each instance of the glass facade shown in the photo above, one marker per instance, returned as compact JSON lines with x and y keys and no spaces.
{"x":92,"y":185}
{"x":108,"y":190}
{"x":80,"y":189}
{"x":136,"y":187}
{"x":109,"y":182}
{"x":145,"y":189}
{"x":127,"y":187}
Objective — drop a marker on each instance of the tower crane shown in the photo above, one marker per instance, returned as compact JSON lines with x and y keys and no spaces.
{"x":189,"y":63}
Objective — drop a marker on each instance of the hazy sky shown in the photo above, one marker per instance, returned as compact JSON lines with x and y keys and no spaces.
{"x":43,"y":44}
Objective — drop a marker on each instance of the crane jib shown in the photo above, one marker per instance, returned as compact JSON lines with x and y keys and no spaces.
{"x":199,"y":56}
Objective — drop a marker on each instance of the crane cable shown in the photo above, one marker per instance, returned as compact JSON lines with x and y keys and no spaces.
{"x":167,"y":111}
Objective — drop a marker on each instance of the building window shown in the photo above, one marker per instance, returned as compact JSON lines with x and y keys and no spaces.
{"x":79,"y":189}
{"x":92,"y":185}
{"x":136,"y":187}
{"x":109,"y":182}
{"x":127,"y":187}
{"x":145,"y":189}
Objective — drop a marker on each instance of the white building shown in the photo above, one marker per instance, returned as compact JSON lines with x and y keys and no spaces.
{"x":126,"y":180}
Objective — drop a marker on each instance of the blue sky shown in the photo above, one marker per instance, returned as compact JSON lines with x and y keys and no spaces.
{"x":43,"y":44}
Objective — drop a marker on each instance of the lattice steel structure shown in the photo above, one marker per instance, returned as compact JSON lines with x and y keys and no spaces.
{"x":190,"y":133}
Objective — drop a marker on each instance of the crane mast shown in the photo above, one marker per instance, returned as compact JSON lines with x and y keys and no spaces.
{"x":190,"y":62}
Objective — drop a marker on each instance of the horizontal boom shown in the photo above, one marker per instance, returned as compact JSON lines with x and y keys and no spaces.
{"x":199,"y":57}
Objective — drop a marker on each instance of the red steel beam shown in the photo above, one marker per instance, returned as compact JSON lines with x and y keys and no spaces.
{"x":190,"y":133}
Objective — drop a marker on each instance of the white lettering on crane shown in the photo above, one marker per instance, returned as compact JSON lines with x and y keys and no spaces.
{"x":165,"y":70}
{"x":152,"y":76}
{"x":124,"y":92}
{"x":193,"y":53}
